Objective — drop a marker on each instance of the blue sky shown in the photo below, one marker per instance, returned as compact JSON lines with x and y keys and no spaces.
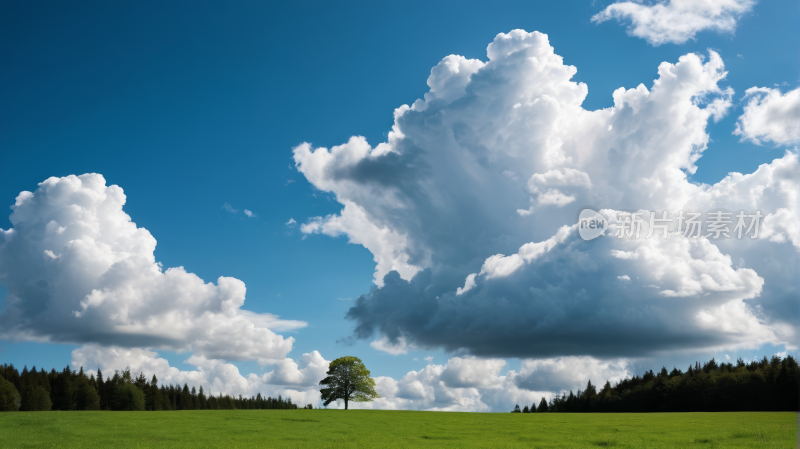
{"x":189,"y":106}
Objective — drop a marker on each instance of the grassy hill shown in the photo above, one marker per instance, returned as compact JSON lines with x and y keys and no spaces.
{"x":368,"y":428}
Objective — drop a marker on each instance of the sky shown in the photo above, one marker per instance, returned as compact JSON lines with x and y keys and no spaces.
{"x":234,"y":194}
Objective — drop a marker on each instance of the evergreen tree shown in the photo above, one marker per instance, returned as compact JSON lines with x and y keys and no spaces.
{"x":86,"y":397}
{"x":186,"y":398}
{"x":101,"y":390}
{"x":201,"y":399}
{"x":63,"y":394}
{"x":141,"y":381}
{"x":543,"y":405}
{"x":113,"y":385}
{"x":589,"y":397}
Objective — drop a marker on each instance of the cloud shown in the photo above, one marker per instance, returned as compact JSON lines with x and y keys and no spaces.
{"x":770,"y":116}
{"x":569,"y":373}
{"x":78,"y":270}
{"x":676,"y":21}
{"x":475,"y":384}
{"x":307,"y":374}
{"x":291,"y":222}
{"x":249,"y":213}
{"x":468,"y":284}
{"x":288,"y":379}
{"x":459,"y":268}
{"x":431,"y":388}
{"x":229,"y":208}
{"x":543,"y":185}
{"x":270,"y":321}
{"x":400,"y":346}
{"x":386,"y":246}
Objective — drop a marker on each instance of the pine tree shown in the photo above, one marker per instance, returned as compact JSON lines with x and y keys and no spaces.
{"x":543,"y":405}
{"x":141,"y":381}
{"x":201,"y":399}
{"x":101,"y":390}
{"x":86,"y":397}
{"x":185,"y":398}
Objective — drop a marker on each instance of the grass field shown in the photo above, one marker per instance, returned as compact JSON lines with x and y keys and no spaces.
{"x":366,"y":428}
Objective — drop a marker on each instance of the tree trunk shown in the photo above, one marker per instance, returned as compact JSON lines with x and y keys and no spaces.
{"x":345,"y":403}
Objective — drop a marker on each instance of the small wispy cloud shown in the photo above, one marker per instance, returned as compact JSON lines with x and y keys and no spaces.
{"x":291,"y":222}
{"x":429,"y":359}
{"x":289,"y":181}
{"x":249,"y":213}
{"x":229,"y":208}
{"x":345,"y":299}
{"x":676,"y":21}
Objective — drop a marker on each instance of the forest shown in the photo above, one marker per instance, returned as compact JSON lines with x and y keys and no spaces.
{"x":33,"y":390}
{"x":766,"y":385}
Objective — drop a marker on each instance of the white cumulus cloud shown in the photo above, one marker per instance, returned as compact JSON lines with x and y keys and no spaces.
{"x":79,"y":270}
{"x":676,"y":21}
{"x":476,"y":384}
{"x":469,"y":208}
{"x":770,"y":116}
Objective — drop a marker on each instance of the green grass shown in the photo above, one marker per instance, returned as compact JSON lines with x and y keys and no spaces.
{"x":367,"y":428}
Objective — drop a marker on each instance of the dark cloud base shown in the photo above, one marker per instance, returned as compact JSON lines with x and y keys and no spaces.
{"x":562,"y":304}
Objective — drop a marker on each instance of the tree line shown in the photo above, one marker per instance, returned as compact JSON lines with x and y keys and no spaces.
{"x":772,"y":385}
{"x":33,"y":390}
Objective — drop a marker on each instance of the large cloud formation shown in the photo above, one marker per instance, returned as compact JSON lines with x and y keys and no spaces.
{"x":676,"y":21}
{"x":79,"y":270}
{"x":469,"y":211}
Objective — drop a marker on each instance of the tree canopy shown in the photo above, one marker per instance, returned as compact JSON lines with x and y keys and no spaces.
{"x":348,"y":379}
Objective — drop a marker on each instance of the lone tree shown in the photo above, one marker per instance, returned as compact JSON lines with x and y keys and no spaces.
{"x":348,"y":379}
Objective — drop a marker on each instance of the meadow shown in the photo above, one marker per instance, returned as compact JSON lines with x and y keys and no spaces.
{"x":377,"y":428}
